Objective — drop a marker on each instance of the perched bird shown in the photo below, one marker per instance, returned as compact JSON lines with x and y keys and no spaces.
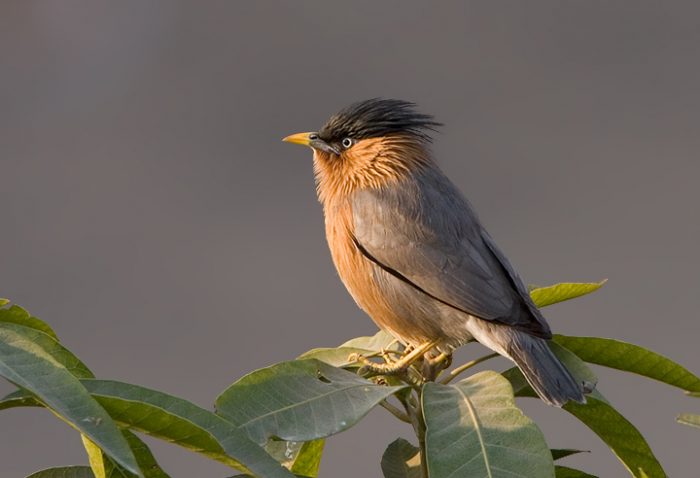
{"x":412,"y":252}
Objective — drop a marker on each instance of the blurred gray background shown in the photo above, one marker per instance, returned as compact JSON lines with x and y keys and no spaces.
{"x":151,"y":214}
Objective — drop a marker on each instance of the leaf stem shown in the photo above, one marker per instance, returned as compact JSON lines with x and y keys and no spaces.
{"x":395,"y":411}
{"x":453,"y":374}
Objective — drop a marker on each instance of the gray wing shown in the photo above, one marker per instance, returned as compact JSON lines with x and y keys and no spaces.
{"x":424,"y":232}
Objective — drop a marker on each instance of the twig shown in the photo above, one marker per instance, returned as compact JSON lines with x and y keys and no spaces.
{"x":451,"y":376}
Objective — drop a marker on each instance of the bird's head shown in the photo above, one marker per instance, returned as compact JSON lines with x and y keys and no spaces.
{"x":368,"y":144}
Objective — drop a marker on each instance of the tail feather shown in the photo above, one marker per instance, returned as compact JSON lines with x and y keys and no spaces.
{"x":550,"y":379}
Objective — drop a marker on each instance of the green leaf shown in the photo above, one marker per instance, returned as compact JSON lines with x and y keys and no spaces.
{"x":308,"y":460}
{"x":300,"y":400}
{"x":401,"y":460}
{"x":544,"y":296}
{"x":185,"y":424}
{"x":558,"y":454}
{"x":28,"y":365}
{"x":302,"y":458}
{"x":101,"y":465}
{"x":50,"y":345}
{"x":104,"y":467}
{"x":337,"y":357}
{"x":473,"y":428}
{"x":17,"y":315}
{"x":64,"y":472}
{"x":19,"y":398}
{"x":375,"y":343}
{"x":566,"y":472}
{"x":619,"y":434}
{"x":689,"y":419}
{"x":630,"y":358}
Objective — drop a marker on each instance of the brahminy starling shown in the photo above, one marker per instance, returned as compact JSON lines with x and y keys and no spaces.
{"x":411,"y":250}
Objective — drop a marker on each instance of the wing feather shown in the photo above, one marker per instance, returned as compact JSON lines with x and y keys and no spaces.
{"x":423,"y":231}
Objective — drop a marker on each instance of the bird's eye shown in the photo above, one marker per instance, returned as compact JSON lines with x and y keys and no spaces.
{"x":347,"y":142}
{"x":313,"y":136}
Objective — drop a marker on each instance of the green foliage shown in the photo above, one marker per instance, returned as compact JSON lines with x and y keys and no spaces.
{"x":473,"y":428}
{"x":65,"y":472}
{"x":299,"y":400}
{"x":183,"y":423}
{"x":544,"y":296}
{"x":401,"y":460}
{"x":274,"y":422}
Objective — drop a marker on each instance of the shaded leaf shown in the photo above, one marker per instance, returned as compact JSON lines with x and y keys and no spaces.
{"x":544,"y":296}
{"x":566,"y":472}
{"x":19,"y":398}
{"x":300,"y":400}
{"x":558,"y":454}
{"x":473,"y":428}
{"x":630,"y":358}
{"x":64,"y":472}
{"x":17,"y":315}
{"x":689,"y":419}
{"x":401,"y":460}
{"x":185,"y":424}
{"x":29,"y":366}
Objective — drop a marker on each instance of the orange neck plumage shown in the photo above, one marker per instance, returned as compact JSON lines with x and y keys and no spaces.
{"x":369,"y":163}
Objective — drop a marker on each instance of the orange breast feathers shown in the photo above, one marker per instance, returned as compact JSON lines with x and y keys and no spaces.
{"x":354,"y":269}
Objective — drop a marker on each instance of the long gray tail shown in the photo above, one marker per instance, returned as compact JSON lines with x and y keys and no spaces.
{"x":543,"y":370}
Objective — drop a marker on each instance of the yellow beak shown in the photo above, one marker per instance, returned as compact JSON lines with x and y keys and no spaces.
{"x":299,"y":138}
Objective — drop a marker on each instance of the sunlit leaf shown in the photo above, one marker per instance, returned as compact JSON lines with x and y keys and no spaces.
{"x":51,"y":346}
{"x":473,"y":428}
{"x":308,"y":460}
{"x":544,"y":296}
{"x":28,"y":365}
{"x":689,"y":419}
{"x":337,"y":357}
{"x":380,"y":340}
{"x":17,"y":315}
{"x":104,"y":467}
{"x":183,"y":423}
{"x":401,"y":460}
{"x":630,"y":358}
{"x":300,"y":400}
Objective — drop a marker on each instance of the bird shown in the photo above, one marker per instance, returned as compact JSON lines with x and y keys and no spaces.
{"x":411,"y":250}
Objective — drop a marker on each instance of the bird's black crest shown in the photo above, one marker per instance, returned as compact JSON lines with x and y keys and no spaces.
{"x":378,"y":117}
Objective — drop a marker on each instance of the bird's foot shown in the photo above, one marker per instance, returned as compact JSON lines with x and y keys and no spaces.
{"x":392,"y":367}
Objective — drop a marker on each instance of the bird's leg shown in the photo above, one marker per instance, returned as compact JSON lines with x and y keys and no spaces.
{"x":432,"y":366}
{"x":399,"y":366}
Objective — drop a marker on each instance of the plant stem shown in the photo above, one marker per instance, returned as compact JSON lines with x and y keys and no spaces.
{"x":451,"y":376}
